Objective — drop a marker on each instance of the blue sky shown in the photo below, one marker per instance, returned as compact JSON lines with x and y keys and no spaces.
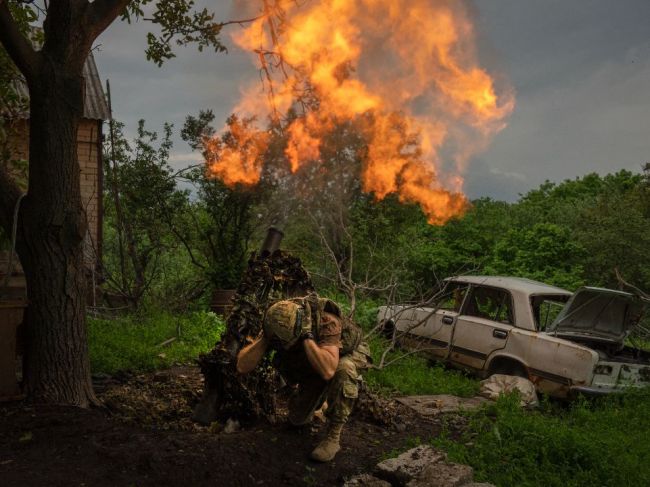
{"x":580,"y":68}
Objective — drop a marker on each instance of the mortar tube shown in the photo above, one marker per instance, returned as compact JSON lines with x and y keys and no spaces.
{"x":271,"y":243}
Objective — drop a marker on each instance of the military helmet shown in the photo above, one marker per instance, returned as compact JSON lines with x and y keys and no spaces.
{"x":283,"y":322}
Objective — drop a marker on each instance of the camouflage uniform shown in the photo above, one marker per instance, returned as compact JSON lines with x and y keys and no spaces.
{"x":312,"y":390}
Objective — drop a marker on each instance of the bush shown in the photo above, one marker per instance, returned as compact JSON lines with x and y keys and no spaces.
{"x":132,"y":343}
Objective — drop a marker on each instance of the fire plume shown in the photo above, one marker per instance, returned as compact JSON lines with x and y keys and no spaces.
{"x":236,"y":159}
{"x":406,"y":70}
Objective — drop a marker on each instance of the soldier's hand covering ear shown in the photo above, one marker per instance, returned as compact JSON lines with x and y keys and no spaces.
{"x":306,"y":330}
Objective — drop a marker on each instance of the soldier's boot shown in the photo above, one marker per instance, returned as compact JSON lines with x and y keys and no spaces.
{"x":330,"y":446}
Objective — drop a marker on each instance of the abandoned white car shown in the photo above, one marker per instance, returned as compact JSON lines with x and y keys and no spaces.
{"x":565,"y":343}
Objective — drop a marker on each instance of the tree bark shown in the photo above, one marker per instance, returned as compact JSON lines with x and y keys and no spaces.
{"x":52,"y":230}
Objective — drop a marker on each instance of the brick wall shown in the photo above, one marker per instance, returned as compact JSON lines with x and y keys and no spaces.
{"x":89,"y":163}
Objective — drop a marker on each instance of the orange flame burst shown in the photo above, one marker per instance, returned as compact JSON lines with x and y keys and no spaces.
{"x":404,"y":66}
{"x":237,"y":159}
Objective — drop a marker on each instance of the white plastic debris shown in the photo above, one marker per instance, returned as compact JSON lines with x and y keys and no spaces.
{"x":498,"y":384}
{"x":232,"y":426}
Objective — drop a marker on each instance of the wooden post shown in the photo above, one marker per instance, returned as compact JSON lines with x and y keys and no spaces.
{"x":11,"y":316}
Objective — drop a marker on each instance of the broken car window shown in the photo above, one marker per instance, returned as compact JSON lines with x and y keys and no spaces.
{"x":546,"y":309}
{"x":453,"y":296}
{"x":490,"y":303}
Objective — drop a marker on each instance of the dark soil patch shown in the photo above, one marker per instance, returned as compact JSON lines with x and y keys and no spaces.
{"x":144,"y":437}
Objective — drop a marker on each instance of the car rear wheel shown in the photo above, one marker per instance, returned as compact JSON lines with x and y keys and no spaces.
{"x":508,"y":367}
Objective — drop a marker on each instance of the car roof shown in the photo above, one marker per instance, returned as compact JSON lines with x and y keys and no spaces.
{"x":520,"y":284}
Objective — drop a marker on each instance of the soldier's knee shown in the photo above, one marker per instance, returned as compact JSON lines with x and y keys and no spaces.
{"x":350,"y":389}
{"x":344,"y":385}
{"x":346,"y":369}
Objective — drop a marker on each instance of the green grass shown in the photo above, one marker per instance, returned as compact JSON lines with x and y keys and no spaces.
{"x":602,"y":443}
{"x":131,"y":343}
{"x":414,"y":375}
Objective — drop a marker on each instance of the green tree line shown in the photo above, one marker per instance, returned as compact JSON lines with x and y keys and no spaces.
{"x":173,"y":235}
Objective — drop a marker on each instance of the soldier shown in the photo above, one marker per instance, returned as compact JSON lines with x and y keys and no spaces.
{"x":321,"y":353}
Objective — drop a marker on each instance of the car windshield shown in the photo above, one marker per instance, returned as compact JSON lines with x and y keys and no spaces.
{"x":546,"y":308}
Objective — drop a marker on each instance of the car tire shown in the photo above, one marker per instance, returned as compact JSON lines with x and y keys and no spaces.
{"x":388,"y":328}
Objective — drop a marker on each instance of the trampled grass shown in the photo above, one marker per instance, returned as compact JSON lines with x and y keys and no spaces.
{"x":132,"y":343}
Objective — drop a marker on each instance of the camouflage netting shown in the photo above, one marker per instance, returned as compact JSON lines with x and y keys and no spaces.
{"x":228,"y":394}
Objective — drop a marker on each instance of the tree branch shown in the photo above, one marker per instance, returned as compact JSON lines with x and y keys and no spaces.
{"x":240,"y":22}
{"x":101,"y":13}
{"x":17,"y":45}
{"x":642,"y":294}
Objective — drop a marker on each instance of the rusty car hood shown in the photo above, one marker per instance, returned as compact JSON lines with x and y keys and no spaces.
{"x":599,"y":313}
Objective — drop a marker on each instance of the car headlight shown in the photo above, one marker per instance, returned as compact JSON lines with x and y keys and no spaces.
{"x":603,"y":370}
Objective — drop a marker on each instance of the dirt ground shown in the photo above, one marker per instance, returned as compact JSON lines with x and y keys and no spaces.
{"x":144,"y":437}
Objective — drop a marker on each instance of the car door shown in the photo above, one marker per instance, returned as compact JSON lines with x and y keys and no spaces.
{"x":434,"y":325}
{"x":482,"y":327}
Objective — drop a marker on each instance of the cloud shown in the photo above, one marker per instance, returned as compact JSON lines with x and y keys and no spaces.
{"x":597,"y":123}
{"x":184,"y":85}
{"x":182,"y":159}
{"x":491,"y":182}
{"x":507,"y":174}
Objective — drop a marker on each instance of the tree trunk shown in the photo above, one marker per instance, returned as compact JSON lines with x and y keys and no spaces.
{"x":52,"y":229}
{"x":52,"y":223}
